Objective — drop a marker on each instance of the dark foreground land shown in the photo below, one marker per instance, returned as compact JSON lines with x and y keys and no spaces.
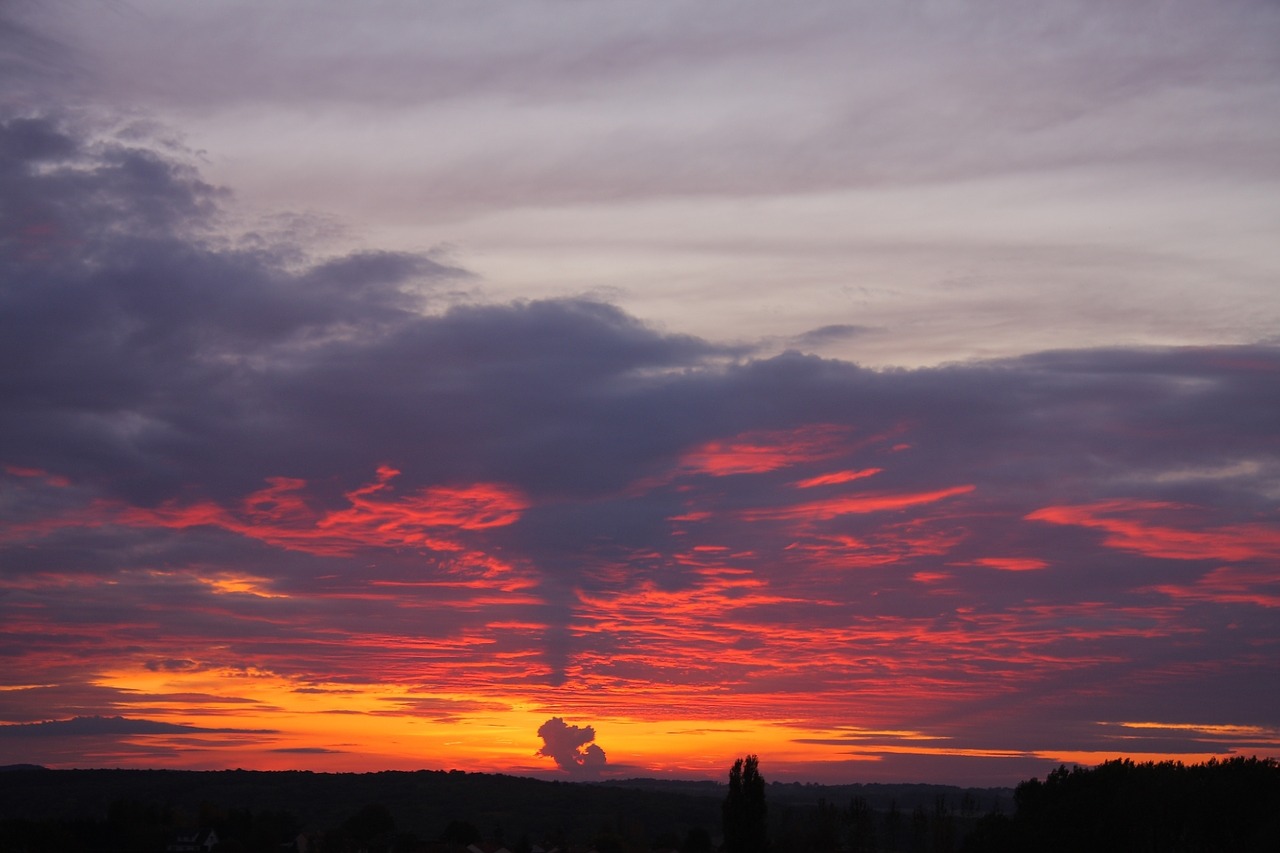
{"x":1121,"y":806}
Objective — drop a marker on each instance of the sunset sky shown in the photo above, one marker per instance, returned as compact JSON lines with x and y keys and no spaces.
{"x":608,"y":389}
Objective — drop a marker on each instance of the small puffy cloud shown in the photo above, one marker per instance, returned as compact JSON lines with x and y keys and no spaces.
{"x":571,"y":747}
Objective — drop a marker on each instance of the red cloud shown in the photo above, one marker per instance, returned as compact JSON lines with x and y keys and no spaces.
{"x":1234,"y":543}
{"x":1009,"y":564}
{"x":37,"y":473}
{"x":759,"y":452}
{"x":836,"y":477}
{"x":280,"y":515}
{"x":859,"y":503}
{"x":1230,"y":585}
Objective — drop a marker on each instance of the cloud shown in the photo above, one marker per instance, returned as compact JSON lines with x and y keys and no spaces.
{"x":571,"y":747}
{"x":172,"y":665}
{"x":307,"y":750}
{"x":829,"y":334}
{"x":98,"y":726}
{"x":332,"y":471}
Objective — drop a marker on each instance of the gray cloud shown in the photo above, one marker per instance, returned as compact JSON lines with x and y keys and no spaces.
{"x":307,"y":750}
{"x":827,"y":334}
{"x":97,"y":726}
{"x":859,"y":157}
{"x":571,"y":747}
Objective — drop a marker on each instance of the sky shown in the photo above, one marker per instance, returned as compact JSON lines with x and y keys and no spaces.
{"x":604,"y":389}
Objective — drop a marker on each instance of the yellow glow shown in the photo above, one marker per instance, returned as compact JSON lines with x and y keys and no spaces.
{"x":244,"y":584}
{"x":1089,"y":758}
{"x":1206,"y":728}
{"x":277,"y":722}
{"x":284,"y":722}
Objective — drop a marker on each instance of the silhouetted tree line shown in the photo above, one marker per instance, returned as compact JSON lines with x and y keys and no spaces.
{"x":143,"y":827}
{"x":121,"y":811}
{"x":1119,"y":806}
{"x":859,"y":828}
{"x":1231,"y":805}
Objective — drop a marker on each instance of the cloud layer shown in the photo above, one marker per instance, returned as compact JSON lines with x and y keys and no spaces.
{"x":237,"y":478}
{"x":977,"y":178}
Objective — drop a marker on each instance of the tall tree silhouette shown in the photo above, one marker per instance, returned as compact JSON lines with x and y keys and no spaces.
{"x":745,"y":826}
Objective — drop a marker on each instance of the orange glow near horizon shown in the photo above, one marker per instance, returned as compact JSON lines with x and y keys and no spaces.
{"x":262,"y":720}
{"x":350,"y":728}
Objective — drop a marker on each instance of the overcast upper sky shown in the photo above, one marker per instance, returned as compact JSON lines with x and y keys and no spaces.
{"x":590,"y":388}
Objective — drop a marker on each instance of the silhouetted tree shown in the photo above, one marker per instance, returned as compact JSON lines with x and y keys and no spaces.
{"x":372,"y":827}
{"x":696,"y":840}
{"x":460,"y":832}
{"x":942,"y":827}
{"x":919,"y":830}
{"x":862,"y":827}
{"x":893,"y":830}
{"x":823,"y":833}
{"x":745,"y":819}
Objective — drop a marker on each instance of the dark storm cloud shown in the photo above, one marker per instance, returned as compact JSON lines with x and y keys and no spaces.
{"x":237,"y":457}
{"x":128,"y":341}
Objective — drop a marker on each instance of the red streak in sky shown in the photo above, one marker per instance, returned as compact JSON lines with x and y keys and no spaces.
{"x":860,"y":503}
{"x":836,"y":477}
{"x":1234,"y":543}
{"x":758,"y":452}
{"x":1011,"y":564}
{"x":1231,"y":585}
{"x":279,"y":515}
{"x":38,"y":473}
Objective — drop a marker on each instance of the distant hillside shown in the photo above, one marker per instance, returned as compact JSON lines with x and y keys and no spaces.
{"x":422,"y":802}
{"x":425,"y":803}
{"x":1117,"y":807}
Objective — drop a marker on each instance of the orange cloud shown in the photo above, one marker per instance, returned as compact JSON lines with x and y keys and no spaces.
{"x":1008,"y":564}
{"x":1232,"y":543}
